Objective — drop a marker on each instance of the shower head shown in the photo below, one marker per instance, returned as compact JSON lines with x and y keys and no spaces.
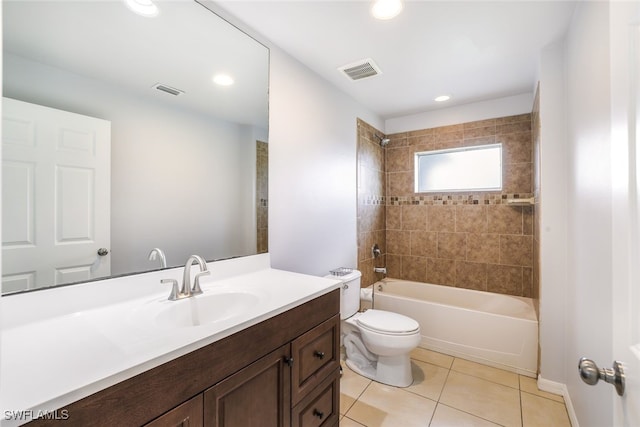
{"x":383,"y":141}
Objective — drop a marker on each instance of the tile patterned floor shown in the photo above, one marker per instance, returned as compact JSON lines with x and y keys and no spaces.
{"x":448,"y":391}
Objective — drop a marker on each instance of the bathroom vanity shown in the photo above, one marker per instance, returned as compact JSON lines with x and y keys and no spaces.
{"x":276,"y":365}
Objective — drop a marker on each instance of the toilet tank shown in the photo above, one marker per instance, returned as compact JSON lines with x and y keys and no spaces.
{"x":349,"y":294}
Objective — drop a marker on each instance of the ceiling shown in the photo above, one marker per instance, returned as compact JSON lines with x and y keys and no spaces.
{"x":472,"y":50}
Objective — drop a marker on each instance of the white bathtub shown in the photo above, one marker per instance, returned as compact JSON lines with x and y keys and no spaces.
{"x":493,"y":329}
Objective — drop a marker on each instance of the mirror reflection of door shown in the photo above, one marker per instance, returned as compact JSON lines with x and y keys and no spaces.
{"x":55,"y":196}
{"x":262,"y":196}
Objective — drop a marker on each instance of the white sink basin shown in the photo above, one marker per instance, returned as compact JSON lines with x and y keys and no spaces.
{"x":206,"y":309}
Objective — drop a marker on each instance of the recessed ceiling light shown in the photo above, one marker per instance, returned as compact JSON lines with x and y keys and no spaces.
{"x":223,"y":80}
{"x":442,"y":98}
{"x":143,"y":7}
{"x":386,"y":9}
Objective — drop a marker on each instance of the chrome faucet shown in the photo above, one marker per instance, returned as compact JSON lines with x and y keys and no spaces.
{"x":160,"y":253}
{"x":187,"y":290}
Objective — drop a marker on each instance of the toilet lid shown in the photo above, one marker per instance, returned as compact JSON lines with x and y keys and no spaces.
{"x":387,"y":322}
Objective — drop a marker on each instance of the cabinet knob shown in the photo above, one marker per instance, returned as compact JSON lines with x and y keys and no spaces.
{"x":288,"y":361}
{"x":318,"y":414}
{"x":319,"y":354}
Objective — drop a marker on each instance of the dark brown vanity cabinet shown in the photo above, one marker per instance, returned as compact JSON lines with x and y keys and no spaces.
{"x":283,"y":371}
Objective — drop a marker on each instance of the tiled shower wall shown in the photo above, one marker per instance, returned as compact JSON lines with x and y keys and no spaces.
{"x":371,"y":202}
{"x":469,"y":240}
{"x":262,"y":196}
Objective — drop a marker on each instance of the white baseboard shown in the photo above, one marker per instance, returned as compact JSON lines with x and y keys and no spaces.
{"x":561,"y":389}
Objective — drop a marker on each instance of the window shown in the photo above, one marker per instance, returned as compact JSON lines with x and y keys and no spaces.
{"x":459,"y":169}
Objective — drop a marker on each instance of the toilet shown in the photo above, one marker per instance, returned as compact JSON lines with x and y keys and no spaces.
{"x":377,"y":342}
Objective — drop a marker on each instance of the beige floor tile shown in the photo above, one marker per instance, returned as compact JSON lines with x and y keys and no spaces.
{"x":428,"y":379}
{"x":530,"y":385}
{"x":382,"y":405}
{"x":494,"y":402}
{"x":485,"y":372}
{"x":540,"y":412}
{"x":432,"y":357}
{"x":449,"y":417}
{"x":348,"y":422}
{"x":351,"y":387}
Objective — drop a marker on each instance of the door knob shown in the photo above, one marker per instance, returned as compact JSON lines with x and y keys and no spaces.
{"x":591,"y":374}
{"x":103,"y":251}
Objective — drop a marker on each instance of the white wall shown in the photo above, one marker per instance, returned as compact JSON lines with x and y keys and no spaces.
{"x":500,"y":107}
{"x":312,"y":170}
{"x":553,"y":213}
{"x":204,"y":188}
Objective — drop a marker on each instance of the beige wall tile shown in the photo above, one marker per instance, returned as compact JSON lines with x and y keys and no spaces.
{"x":452,"y":245}
{"x":479,"y":124}
{"x":479,"y":132}
{"x":513,"y":119}
{"x":471,"y":275}
{"x":516,"y":147}
{"x":483,"y":140}
{"x":400,"y":184}
{"x":527,"y":282}
{"x":448,"y":129}
{"x":517,"y":178}
{"x":394,"y":217}
{"x":504,"y":279}
{"x":424,"y":244}
{"x":398,"y":242}
{"x":527,"y":220}
{"x":399,"y":159}
{"x":483,"y":248}
{"x":394,"y":265}
{"x":414,"y":268}
{"x":421,"y":140}
{"x":441,"y":218}
{"x":441,"y":271}
{"x":523,"y":126}
{"x":471,"y":218}
{"x":516,"y":250}
{"x":414,"y":217}
{"x":503,"y":219}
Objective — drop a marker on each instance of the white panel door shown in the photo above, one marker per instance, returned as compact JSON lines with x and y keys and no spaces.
{"x":55,"y":196}
{"x":625,"y":115}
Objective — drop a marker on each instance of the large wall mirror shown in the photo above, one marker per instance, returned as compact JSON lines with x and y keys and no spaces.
{"x":182,"y":171}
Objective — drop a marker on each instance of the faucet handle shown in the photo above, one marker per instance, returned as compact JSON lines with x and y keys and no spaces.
{"x":174,"y":295}
{"x":196,"y":290}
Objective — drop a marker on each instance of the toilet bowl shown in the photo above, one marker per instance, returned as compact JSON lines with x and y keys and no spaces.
{"x":377,"y":342}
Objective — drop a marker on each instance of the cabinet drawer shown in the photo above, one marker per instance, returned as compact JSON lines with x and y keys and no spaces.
{"x":321,"y":406}
{"x":315,"y":355}
{"x":189,"y":414}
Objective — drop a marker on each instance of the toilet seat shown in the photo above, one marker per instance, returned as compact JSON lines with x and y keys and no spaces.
{"x":388,"y":323}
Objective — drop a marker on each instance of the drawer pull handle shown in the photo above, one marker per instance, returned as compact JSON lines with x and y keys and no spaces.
{"x":319,"y":354}
{"x":318,"y":414}
{"x":288,"y":361}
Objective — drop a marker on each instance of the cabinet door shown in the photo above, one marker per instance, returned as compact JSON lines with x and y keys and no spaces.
{"x":189,"y":414}
{"x":256,"y":396}
{"x":316,"y":354}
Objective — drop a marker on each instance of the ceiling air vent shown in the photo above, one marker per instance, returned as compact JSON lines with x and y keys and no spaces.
{"x":361,"y":69}
{"x":168,"y":89}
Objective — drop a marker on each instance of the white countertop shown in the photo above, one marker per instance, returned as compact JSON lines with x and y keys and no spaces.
{"x":61,"y":345}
